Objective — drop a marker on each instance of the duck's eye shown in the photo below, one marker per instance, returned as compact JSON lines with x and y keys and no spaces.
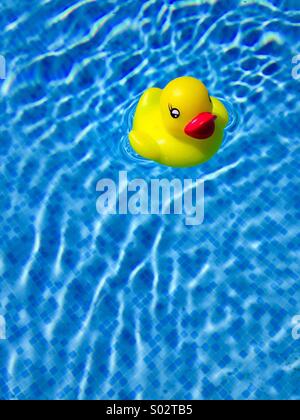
{"x":175,"y":113}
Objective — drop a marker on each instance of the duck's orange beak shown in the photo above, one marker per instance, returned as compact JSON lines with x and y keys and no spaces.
{"x":202,"y":127}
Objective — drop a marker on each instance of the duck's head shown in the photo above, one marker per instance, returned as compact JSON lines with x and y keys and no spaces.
{"x":186,"y":109}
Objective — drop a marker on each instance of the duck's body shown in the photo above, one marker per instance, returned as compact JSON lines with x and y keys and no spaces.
{"x":161,"y":124}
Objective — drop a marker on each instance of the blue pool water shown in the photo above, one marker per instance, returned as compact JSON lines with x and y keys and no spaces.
{"x":111,"y":307}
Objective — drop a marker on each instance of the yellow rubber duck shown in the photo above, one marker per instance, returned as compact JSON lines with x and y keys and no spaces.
{"x":179,"y":126}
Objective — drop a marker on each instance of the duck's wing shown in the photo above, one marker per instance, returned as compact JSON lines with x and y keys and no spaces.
{"x":144,"y":145}
{"x":220,"y":111}
{"x":142,"y":137}
{"x":150,"y":98}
